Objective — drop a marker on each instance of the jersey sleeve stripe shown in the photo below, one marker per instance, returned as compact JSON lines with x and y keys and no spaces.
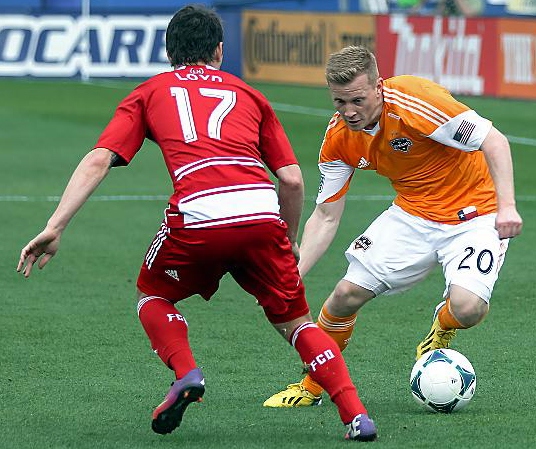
{"x":415,"y":111}
{"x":335,"y":178}
{"x":417,"y":102}
{"x":332,"y":123}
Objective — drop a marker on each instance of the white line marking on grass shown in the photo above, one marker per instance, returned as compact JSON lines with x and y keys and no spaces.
{"x":522,"y":140}
{"x":118,"y":198}
{"x":110,"y":84}
{"x":55,"y":198}
{"x":304,"y":110}
{"x":328,"y":113}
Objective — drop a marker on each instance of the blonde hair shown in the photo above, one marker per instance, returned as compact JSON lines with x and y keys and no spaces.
{"x":343,"y":66}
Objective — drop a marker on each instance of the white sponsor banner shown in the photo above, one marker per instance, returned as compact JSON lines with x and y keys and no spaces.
{"x":448,"y":54}
{"x":95,"y":46}
{"x":519,"y":50}
{"x":527,"y":7}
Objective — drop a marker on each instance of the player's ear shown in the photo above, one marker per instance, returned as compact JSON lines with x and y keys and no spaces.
{"x":218,"y":53}
{"x":379,"y":86}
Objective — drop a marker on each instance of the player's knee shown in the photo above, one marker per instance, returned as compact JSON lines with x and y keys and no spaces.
{"x":468,"y":308}
{"x":139,"y":295}
{"x":347,"y":298}
{"x":288,"y":328}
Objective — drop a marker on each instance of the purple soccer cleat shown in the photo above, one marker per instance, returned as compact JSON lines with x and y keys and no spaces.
{"x":361,"y":428}
{"x":168,"y":415}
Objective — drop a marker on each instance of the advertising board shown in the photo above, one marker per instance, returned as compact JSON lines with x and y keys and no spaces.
{"x":293,"y":47}
{"x":516,"y":58}
{"x":97,"y":46}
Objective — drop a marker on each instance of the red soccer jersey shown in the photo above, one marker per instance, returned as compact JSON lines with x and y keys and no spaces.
{"x":216,"y":134}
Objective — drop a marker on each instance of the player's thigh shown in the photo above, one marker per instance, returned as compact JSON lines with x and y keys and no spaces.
{"x":268,"y":270}
{"x":177,"y":265}
{"x":393,"y":254}
{"x":472,"y":256}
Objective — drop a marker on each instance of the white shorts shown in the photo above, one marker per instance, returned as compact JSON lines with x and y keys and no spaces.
{"x":399,"y":250}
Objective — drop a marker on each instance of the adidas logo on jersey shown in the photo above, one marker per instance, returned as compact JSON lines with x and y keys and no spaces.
{"x":173,"y":274}
{"x":363,"y":163}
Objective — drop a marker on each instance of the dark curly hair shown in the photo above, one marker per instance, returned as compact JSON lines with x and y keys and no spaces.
{"x":193,"y":34}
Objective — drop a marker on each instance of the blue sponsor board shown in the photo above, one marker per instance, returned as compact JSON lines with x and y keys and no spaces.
{"x":87,"y":46}
{"x":97,"y":46}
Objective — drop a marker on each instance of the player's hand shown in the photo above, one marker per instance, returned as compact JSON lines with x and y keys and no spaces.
{"x":40,"y":249}
{"x":508,"y":222}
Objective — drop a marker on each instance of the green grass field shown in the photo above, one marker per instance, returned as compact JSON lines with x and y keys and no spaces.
{"x":77,"y":370}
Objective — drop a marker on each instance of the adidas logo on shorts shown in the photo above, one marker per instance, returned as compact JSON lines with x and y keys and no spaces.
{"x":173,"y":274}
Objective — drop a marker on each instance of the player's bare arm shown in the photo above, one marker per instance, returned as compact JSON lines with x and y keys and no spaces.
{"x":91,"y":170}
{"x":318,"y":233}
{"x":291,"y":192}
{"x":498,"y":157}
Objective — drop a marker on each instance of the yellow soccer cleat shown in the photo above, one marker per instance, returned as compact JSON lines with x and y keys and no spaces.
{"x":296,"y":395}
{"x":437,"y":338}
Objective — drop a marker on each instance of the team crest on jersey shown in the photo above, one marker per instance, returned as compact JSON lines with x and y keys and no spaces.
{"x":401,"y":144}
{"x":362,"y":242}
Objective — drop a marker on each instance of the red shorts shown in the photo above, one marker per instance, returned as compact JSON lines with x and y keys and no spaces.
{"x":183,"y":262}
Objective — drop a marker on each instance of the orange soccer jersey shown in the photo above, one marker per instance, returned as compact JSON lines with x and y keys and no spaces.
{"x":426,"y":142}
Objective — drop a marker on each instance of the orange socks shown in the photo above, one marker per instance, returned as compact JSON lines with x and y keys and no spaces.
{"x":340,"y":329}
{"x":447,"y":320}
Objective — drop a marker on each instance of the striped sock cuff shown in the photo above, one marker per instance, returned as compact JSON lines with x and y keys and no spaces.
{"x":146,"y":299}
{"x":326,"y":321}
{"x":296,"y":331}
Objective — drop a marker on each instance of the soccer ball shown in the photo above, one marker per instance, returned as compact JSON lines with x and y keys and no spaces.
{"x":443,"y":381}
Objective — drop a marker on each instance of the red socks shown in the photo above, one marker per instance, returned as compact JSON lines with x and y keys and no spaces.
{"x":167,"y":330}
{"x":328,"y":368}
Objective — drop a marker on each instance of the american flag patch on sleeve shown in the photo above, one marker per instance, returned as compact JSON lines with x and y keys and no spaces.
{"x":464,"y":131}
